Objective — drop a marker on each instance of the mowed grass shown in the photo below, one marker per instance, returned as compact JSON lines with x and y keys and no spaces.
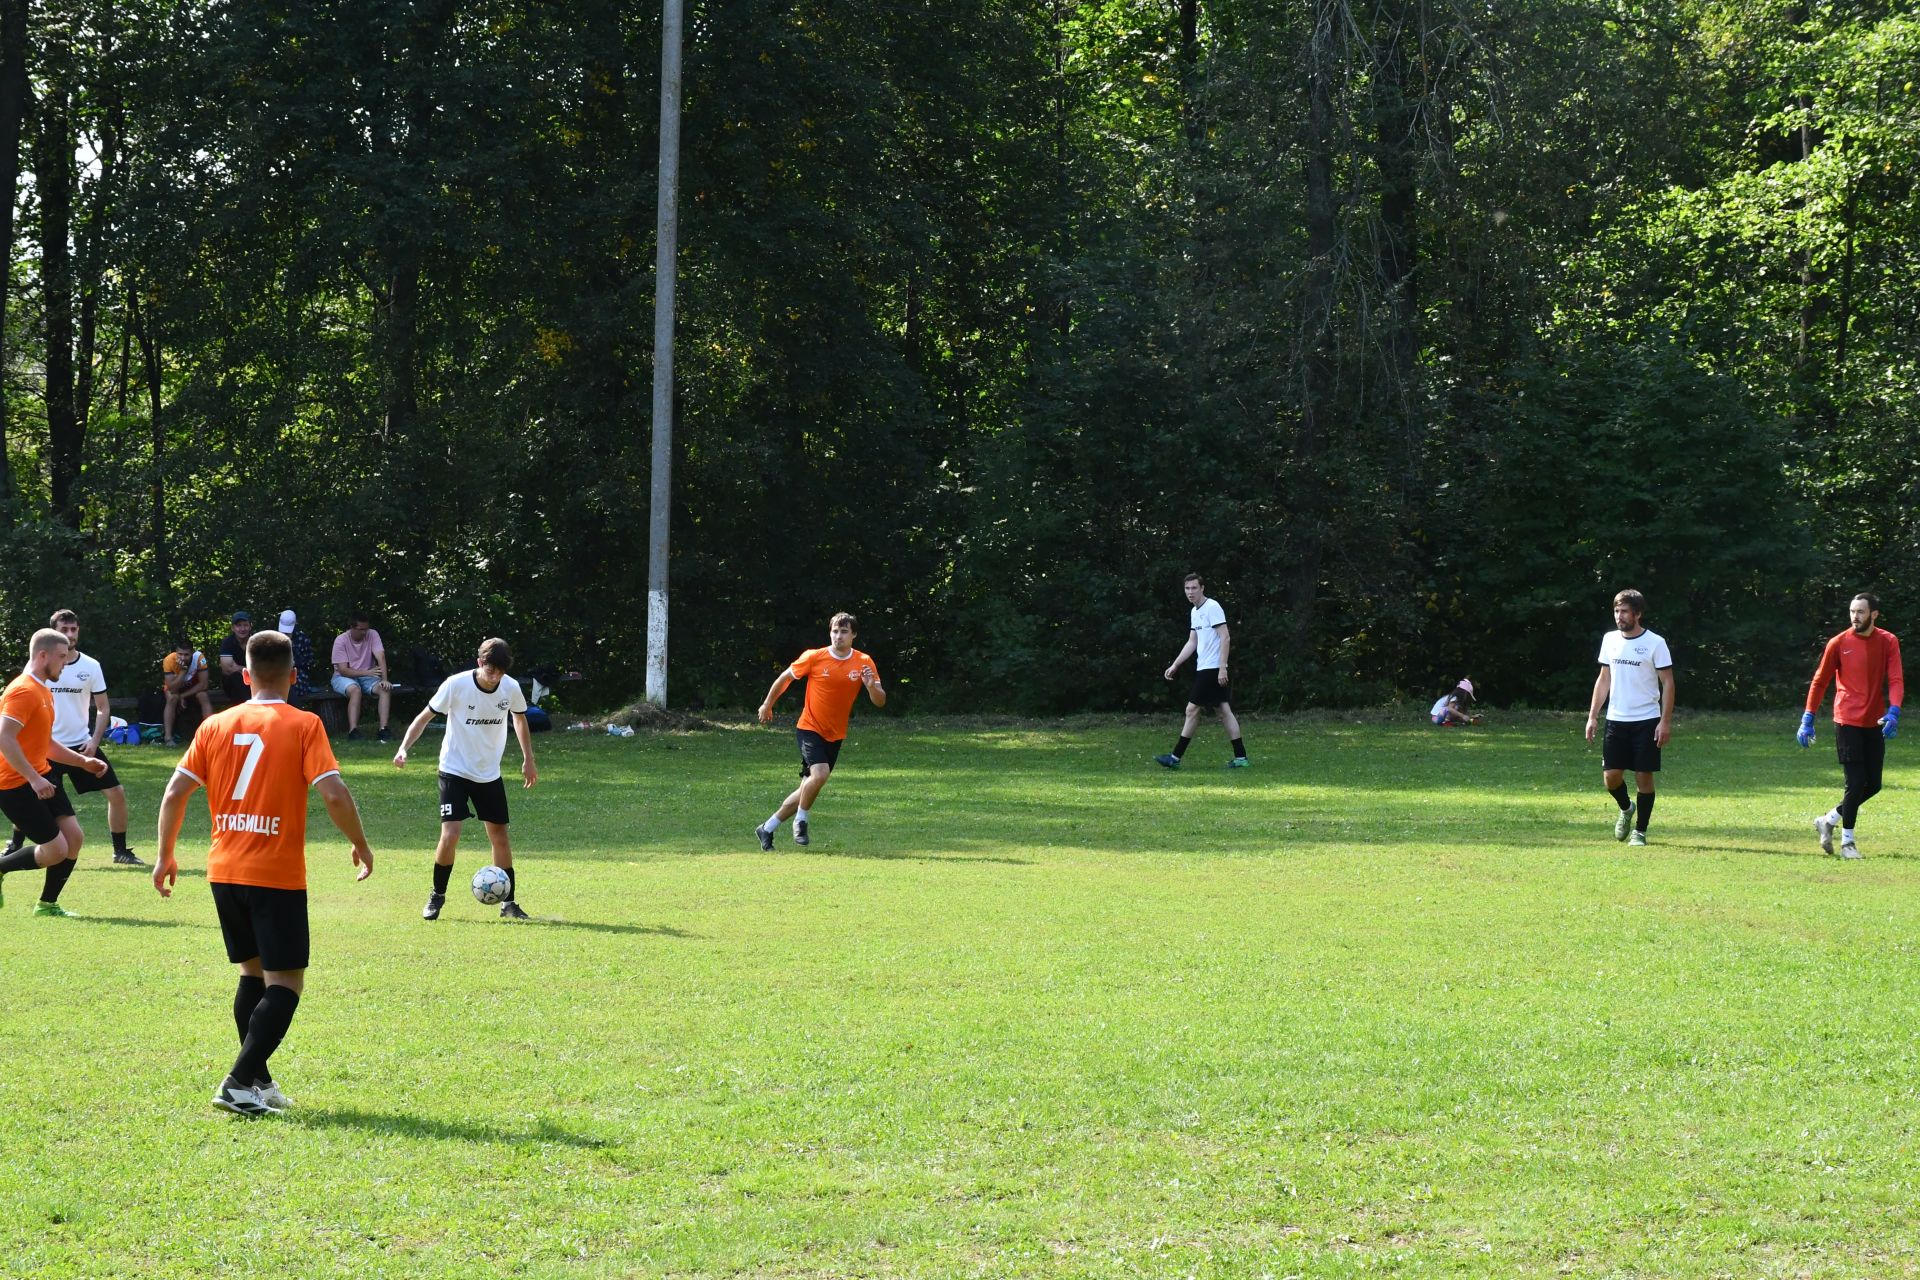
{"x":1390,"y":1002}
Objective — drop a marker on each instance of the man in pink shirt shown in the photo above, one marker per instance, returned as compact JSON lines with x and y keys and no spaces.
{"x":360,"y":668}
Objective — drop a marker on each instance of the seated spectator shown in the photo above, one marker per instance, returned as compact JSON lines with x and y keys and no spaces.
{"x":302,"y":687}
{"x":233,"y":659}
{"x":183,"y":675}
{"x":360,"y":668}
{"x":1453,"y":706}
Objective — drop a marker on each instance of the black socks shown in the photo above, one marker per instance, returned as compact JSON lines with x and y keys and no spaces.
{"x":1239,"y":749}
{"x":56,"y":880}
{"x":1645,"y":812}
{"x":266,"y":1028}
{"x":119,"y":841}
{"x":440,"y":876}
{"x":244,"y":999}
{"x":509,"y":871}
{"x":1180,"y":747}
{"x":21,"y":860}
{"x":1619,"y":795}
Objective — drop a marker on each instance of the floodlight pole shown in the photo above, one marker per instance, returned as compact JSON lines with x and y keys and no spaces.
{"x":667,"y":236}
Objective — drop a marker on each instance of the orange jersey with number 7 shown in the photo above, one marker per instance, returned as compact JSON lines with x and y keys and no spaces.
{"x":832,"y":686}
{"x":258,"y":761}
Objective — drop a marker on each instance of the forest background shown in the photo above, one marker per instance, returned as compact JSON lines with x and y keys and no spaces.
{"x":1417,"y":327}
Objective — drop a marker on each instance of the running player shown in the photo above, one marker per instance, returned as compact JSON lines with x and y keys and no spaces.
{"x":82,"y":687}
{"x":1636,"y":686}
{"x":834,"y":675}
{"x":477,"y":705}
{"x":1864,"y":661}
{"x":257,"y":762}
{"x":28,"y":793}
{"x":1209,"y":641}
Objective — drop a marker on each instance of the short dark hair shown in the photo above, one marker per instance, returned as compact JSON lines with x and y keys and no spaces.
{"x":358,"y":616}
{"x":63,"y":615}
{"x":852,"y":624}
{"x":1873,"y":601}
{"x":1192,"y":577}
{"x":1632,"y":599}
{"x":494,"y":653}
{"x":269,"y":654}
{"x":180,"y":640}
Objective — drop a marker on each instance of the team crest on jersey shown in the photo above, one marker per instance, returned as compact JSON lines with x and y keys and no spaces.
{"x":502,"y":704}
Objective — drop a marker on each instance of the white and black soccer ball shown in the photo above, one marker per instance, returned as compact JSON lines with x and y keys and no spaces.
{"x":490,"y":886}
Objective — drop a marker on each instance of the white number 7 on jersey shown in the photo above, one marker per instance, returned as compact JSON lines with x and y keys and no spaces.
{"x":254,"y":745}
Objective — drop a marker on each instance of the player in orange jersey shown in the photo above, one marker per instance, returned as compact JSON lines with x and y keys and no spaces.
{"x":1864,"y":661}
{"x":834,"y":675}
{"x":257,"y":762}
{"x":28,"y":795}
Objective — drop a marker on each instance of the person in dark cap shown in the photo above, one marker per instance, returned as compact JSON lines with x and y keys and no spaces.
{"x":233,"y":659}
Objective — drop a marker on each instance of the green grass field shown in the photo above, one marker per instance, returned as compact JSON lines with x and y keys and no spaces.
{"x":1390,"y":1002}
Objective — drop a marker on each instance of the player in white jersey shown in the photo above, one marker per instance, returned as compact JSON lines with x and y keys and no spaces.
{"x":477,"y":704}
{"x":1209,"y":641}
{"x":82,"y":689}
{"x":1636,"y":686}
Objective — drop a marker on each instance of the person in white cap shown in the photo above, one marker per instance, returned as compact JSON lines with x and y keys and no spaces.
{"x":1453,"y":706}
{"x":302,"y":658}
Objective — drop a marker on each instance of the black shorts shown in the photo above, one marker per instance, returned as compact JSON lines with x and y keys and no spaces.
{"x":815,"y":749}
{"x":1629,"y":745}
{"x":85,"y":783}
{"x":36,"y":817}
{"x":1861,"y":745}
{"x":1207,"y":689}
{"x":489,"y":799}
{"x":270,"y":924}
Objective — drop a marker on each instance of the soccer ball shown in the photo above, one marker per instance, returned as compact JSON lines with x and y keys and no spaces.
{"x":490,"y":886}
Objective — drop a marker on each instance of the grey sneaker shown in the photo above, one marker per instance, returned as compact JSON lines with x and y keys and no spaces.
{"x":800,"y":831}
{"x":1824,"y":829}
{"x":1638,"y":838}
{"x":1623,"y":824}
{"x":126,"y":859}
{"x":1849,"y":850}
{"x":431,"y":911}
{"x":766,"y":839}
{"x":510,"y":910}
{"x":270,"y":1095}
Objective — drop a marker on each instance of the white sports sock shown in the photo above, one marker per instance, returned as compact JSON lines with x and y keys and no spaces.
{"x":1833,"y":817}
{"x":799,"y":815}
{"x":1846,"y":835}
{"x":771,"y":824}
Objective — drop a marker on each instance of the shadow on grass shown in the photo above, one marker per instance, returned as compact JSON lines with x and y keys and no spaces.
{"x":595,"y":926}
{"x":878,"y":855}
{"x":137,"y":923}
{"x":400,"y":1125}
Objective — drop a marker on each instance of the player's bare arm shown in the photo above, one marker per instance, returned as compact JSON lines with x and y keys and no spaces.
{"x":1602,"y":686}
{"x":523,"y":731}
{"x":875,"y":693}
{"x":1663,"y":731}
{"x":415,"y":728}
{"x":66,"y":755}
{"x":173,"y":811}
{"x":781,"y":683}
{"x":1186,"y":651}
{"x":1226,"y":645}
{"x":102,"y":718}
{"x":346,"y":816}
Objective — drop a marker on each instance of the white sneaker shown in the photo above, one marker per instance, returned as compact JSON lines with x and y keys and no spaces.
{"x":242,"y":1102}
{"x":1638,"y":838}
{"x":1824,"y":829}
{"x":1623,"y":824}
{"x":1849,"y":850}
{"x":270,"y":1094}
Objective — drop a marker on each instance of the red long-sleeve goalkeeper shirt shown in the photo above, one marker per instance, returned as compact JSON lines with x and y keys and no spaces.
{"x":1867,"y":669}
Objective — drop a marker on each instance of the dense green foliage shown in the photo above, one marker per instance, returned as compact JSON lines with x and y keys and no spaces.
{"x":1391,"y":1002}
{"x":1419,"y":327}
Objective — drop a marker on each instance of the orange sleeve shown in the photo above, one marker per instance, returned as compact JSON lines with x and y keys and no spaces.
{"x":316,"y":753}
{"x":19,"y":703}
{"x":195,"y":761}
{"x":800,"y":665}
{"x":1829,"y":664}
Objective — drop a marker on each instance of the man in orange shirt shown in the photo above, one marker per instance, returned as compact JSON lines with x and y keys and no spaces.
{"x":1865,"y":661}
{"x":38,"y":805}
{"x":257,"y":762}
{"x":834,"y":675}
